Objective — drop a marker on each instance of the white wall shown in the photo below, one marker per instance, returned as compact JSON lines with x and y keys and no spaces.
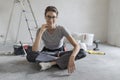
{"x":114,"y":23}
{"x":83,"y":16}
{"x":4,"y":15}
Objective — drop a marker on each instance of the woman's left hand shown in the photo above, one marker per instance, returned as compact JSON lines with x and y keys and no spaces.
{"x":71,"y":64}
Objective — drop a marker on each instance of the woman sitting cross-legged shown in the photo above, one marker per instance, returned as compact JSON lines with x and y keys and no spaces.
{"x":53,"y":52}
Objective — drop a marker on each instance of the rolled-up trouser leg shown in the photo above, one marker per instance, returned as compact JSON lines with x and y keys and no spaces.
{"x":62,"y":62}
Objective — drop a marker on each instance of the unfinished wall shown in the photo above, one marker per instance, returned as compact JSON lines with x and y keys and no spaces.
{"x":82,"y":16}
{"x":114,"y":23}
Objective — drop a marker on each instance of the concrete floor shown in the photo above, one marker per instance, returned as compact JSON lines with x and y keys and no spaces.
{"x":93,"y":67}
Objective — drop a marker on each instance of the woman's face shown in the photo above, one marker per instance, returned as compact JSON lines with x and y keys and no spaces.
{"x":51,"y":18}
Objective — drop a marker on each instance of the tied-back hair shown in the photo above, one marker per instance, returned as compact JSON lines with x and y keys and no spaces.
{"x":51,"y":8}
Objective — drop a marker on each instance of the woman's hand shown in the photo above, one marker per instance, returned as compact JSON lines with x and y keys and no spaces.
{"x":71,"y":64}
{"x":43,"y":28}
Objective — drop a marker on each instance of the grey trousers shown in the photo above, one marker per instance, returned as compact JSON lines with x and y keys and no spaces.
{"x":62,"y":62}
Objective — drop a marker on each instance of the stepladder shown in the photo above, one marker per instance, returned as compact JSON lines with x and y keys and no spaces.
{"x":22,"y":21}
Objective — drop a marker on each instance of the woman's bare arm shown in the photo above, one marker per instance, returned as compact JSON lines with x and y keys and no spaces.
{"x":71,"y":64}
{"x":38,"y":38}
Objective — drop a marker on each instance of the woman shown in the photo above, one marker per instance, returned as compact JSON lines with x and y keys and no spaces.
{"x":53,"y":52}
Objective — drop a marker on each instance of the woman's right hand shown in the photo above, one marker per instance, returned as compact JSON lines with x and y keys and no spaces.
{"x":43,"y":28}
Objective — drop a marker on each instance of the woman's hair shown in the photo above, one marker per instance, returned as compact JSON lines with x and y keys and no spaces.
{"x":51,"y":8}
